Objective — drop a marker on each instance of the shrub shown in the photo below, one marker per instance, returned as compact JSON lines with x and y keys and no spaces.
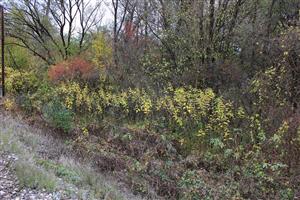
{"x":75,"y":97}
{"x":184,"y":107}
{"x":45,"y":93}
{"x":25,"y":102}
{"x":9,"y":104}
{"x":194,"y":188}
{"x":78,"y":67}
{"x":75,"y":68}
{"x":139,"y":102}
{"x":99,"y":102}
{"x":58,"y":116}
{"x":21,"y":82}
{"x":57,"y":72}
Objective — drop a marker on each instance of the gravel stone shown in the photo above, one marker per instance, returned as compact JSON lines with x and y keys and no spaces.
{"x":9,"y":186}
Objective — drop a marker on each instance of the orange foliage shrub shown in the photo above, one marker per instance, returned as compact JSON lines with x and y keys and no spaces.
{"x":76,"y":68}
{"x":57,"y":72}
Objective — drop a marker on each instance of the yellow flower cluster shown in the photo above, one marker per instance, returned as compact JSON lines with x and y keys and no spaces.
{"x":9,"y":104}
{"x":199,"y":115}
{"x":82,"y":99}
{"x":78,"y":98}
{"x":19,"y":81}
{"x":141,"y":101}
{"x":186,"y":104}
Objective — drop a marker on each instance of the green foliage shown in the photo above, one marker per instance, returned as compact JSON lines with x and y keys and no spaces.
{"x":158,"y":69}
{"x":25,"y":102}
{"x":17,"y":57}
{"x":194,"y":187}
{"x":60,"y":170}
{"x":43,"y":95}
{"x":58,"y":116}
{"x":80,"y":176}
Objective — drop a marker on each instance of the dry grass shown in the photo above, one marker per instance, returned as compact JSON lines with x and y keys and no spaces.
{"x":31,"y":176}
{"x":43,"y":161}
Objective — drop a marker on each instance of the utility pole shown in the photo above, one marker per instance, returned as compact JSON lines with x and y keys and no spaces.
{"x":2,"y":49}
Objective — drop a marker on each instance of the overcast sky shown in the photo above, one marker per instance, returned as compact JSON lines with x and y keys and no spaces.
{"x":107,"y":18}
{"x":107,"y":14}
{"x":106,"y":10}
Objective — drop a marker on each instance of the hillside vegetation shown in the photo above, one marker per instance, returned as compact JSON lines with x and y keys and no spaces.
{"x":187,"y":99}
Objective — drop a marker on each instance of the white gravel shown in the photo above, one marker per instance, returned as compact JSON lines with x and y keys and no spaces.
{"x":9,"y":186}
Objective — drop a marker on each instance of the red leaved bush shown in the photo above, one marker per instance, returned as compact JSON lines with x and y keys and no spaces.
{"x":57,"y":72}
{"x":75,"y":68}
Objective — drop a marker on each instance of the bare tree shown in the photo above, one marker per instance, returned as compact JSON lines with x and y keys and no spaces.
{"x":120,"y":9}
{"x":89,"y":16}
{"x":47,"y":28}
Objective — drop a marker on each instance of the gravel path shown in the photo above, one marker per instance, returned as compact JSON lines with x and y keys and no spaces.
{"x":9,"y":187}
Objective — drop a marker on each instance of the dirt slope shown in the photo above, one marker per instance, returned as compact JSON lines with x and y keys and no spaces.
{"x":57,"y":174}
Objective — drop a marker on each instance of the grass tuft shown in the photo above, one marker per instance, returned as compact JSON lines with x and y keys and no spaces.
{"x":33,"y":177}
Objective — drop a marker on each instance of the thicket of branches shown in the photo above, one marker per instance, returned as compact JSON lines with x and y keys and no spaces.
{"x":220,"y":79}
